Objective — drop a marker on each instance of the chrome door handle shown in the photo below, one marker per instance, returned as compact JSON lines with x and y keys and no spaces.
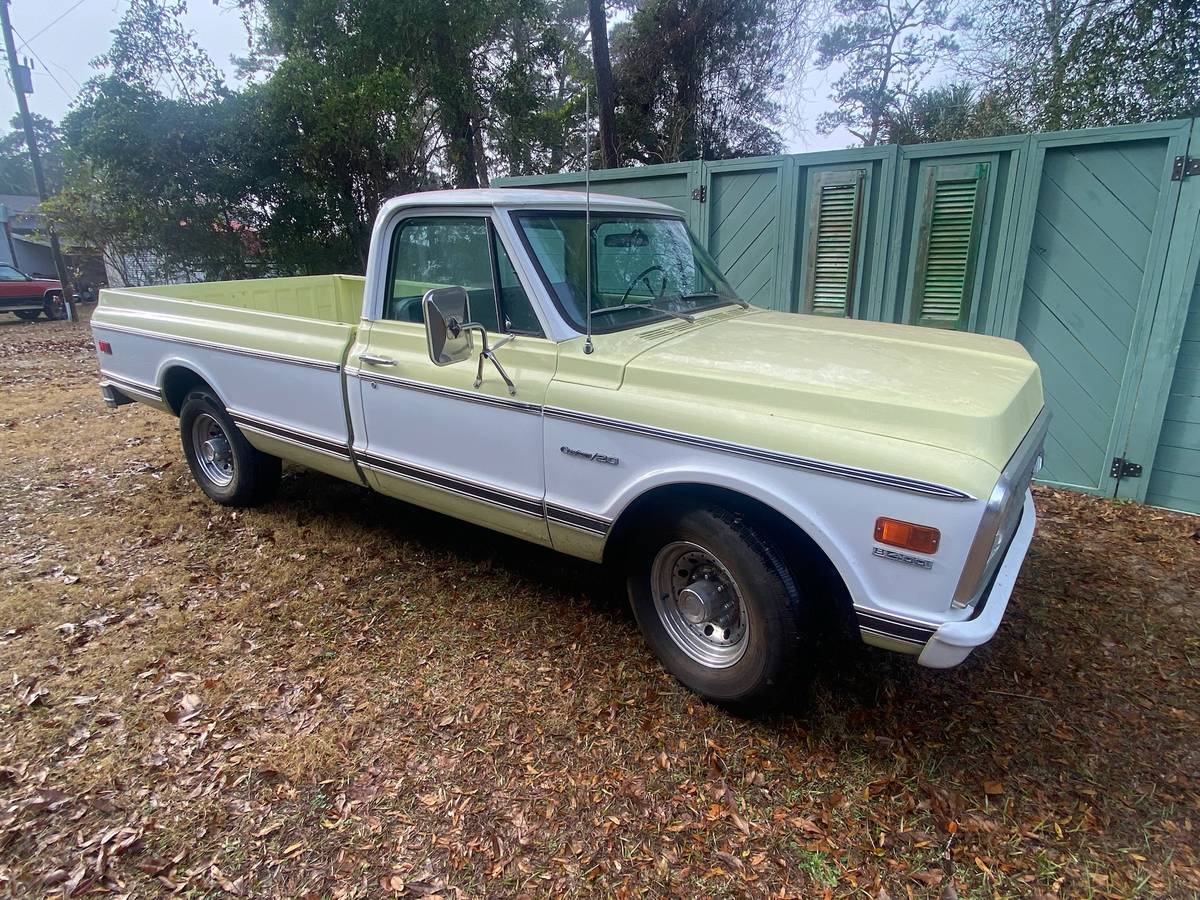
{"x":377,"y":360}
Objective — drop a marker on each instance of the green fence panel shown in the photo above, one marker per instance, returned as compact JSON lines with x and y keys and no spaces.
{"x":671,"y":184}
{"x":744,"y":211}
{"x":1175,"y":480}
{"x":1081,"y":245}
{"x":1085,"y":282}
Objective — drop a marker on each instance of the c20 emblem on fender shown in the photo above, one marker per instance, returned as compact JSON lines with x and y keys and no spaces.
{"x":594,"y":457}
{"x":903,"y":557}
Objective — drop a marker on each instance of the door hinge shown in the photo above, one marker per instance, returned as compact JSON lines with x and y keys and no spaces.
{"x":700,"y":193}
{"x":1185,"y":166}
{"x":1122,"y":468}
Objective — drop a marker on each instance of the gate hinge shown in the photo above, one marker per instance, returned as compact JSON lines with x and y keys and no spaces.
{"x":1121,"y":468}
{"x":700,"y":193}
{"x":1185,"y":166}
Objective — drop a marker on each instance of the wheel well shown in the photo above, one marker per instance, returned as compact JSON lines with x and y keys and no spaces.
{"x":803,"y":554}
{"x":177,"y":383}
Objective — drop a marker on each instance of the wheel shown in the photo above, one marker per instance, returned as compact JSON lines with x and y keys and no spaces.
{"x":719,"y":607}
{"x":222,"y":461}
{"x":54,"y":307}
{"x":27,"y":314}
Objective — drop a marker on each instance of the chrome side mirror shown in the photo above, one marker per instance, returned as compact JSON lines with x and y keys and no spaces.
{"x":448,"y":333}
{"x":445,"y":315}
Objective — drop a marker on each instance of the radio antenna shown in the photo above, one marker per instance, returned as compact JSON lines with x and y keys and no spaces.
{"x":588,"y":347}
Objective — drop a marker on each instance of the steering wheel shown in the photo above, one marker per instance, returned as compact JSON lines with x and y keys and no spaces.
{"x":644,"y":275}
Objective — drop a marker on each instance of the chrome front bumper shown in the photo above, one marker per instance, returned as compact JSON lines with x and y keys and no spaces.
{"x":954,"y":641}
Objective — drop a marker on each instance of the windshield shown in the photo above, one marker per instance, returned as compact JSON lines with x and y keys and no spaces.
{"x":643,"y":267}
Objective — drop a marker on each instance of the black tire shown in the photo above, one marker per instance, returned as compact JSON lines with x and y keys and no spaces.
{"x":54,"y":308}
{"x":27,"y":314}
{"x":253,"y":476}
{"x":778,"y":615}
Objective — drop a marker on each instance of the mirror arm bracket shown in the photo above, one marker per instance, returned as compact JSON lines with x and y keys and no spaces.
{"x":489,"y":353}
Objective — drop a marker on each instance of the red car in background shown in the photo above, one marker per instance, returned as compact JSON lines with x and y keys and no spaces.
{"x":28,"y":296}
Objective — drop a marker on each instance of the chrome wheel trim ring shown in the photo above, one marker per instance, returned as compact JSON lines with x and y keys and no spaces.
{"x":214,"y":452}
{"x":699,"y":604}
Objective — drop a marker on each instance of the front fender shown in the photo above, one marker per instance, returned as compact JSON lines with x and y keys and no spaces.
{"x":757,"y":486}
{"x":836,"y":512}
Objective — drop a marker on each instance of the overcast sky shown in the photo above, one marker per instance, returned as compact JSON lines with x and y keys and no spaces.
{"x":62,"y":37}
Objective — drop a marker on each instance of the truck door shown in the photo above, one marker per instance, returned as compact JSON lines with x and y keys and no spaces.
{"x":428,"y":435}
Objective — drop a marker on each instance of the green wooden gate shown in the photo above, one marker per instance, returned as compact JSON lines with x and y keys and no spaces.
{"x":1089,"y":290}
{"x":1082,"y":245}
{"x":1175,"y":479}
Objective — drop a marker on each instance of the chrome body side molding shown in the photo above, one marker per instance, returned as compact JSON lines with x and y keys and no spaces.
{"x":897,"y":482}
{"x":224,"y":348}
{"x":438,"y":390}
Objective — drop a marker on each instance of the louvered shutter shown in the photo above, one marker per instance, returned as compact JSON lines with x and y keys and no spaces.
{"x":951,"y":222}
{"x":831,"y":251}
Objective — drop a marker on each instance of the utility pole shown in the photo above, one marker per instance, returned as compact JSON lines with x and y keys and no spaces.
{"x":20,"y":80}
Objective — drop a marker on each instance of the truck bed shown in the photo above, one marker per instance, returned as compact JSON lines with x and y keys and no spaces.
{"x":271,"y":349}
{"x":328,"y":298}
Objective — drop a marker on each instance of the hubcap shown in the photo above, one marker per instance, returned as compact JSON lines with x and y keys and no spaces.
{"x":213,"y":451}
{"x":699,"y":604}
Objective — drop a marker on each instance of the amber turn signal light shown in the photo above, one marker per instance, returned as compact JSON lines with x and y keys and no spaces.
{"x":920,"y":538}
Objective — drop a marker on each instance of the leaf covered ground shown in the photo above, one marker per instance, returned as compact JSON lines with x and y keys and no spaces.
{"x":340,"y":695}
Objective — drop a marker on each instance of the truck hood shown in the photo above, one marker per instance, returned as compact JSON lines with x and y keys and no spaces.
{"x":961,"y":392}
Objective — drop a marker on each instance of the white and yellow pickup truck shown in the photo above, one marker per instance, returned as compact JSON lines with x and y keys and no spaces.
{"x":751,"y":471}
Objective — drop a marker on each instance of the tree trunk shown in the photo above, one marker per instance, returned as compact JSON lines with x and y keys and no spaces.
{"x":460,"y":144}
{"x":481,"y":166}
{"x":1058,"y":75}
{"x":604,"y":83}
{"x":556,"y":148}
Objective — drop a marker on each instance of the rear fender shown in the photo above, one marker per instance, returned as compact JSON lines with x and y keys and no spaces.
{"x":198,"y":369}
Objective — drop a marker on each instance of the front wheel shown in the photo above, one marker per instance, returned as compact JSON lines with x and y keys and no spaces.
{"x":222,"y":461}
{"x":28,"y":314}
{"x":719,"y":606}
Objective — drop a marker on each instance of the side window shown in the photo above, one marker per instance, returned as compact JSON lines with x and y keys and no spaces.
{"x":440,"y":251}
{"x":515,"y":307}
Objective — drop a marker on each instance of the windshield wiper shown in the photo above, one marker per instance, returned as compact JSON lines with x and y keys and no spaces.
{"x":698,"y":294}
{"x":657,"y":309}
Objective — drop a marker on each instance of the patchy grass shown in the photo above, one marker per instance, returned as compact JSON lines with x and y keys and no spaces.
{"x":340,"y":695}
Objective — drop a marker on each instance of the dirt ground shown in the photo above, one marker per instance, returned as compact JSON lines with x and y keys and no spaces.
{"x":338,"y":695}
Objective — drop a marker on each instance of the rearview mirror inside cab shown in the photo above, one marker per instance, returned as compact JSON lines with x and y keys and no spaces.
{"x":635,"y":238}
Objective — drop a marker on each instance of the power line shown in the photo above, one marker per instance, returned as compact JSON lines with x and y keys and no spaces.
{"x":25,"y":43}
{"x":45,"y":67}
{"x":67,"y":72}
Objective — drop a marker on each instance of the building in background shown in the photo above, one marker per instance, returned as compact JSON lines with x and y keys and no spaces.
{"x":26,"y":247}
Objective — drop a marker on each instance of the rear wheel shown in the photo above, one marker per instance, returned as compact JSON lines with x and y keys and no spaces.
{"x":27,"y":314}
{"x":719,"y":606}
{"x":222,"y":461}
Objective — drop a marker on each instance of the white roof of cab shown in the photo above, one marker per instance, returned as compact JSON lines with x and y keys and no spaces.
{"x":526,"y":197}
